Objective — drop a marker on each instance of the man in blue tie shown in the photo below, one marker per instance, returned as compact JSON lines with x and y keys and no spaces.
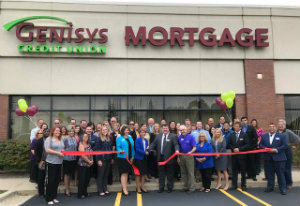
{"x":275,"y":159}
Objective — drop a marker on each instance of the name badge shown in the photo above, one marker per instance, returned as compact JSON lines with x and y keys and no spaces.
{"x":182,"y":139}
{"x":242,"y":139}
{"x":167,"y":140}
{"x":277,"y":138}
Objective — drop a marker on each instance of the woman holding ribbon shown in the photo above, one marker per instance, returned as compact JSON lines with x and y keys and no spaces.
{"x":140,"y":160}
{"x":126,"y":146}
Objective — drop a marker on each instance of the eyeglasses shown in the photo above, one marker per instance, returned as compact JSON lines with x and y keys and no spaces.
{"x":202,"y":136}
{"x":40,"y":133}
{"x":131,"y":124}
{"x":56,"y":122}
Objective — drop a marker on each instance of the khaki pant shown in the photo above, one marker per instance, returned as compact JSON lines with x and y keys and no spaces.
{"x":187,"y":165}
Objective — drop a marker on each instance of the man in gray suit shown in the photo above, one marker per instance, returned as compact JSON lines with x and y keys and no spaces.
{"x":150,"y":125}
{"x":165,"y":145}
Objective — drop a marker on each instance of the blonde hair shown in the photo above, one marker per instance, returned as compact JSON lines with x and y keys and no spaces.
{"x":205,"y":139}
{"x":102,"y":137}
{"x":37,"y":133}
{"x":156,"y":124}
{"x":219,"y":139}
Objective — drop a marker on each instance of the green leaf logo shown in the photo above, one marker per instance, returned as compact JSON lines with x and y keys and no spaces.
{"x":11,"y":24}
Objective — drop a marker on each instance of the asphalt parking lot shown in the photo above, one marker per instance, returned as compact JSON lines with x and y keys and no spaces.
{"x":253,"y":197}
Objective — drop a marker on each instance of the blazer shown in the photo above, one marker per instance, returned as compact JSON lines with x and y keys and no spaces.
{"x":140,"y":153}
{"x":279,"y":143}
{"x":221,"y":146}
{"x":243,"y":144}
{"x":122,"y":145}
{"x":253,"y":138}
{"x":209,"y":162}
{"x":170,"y":147}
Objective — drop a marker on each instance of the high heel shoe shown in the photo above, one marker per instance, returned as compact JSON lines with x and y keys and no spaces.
{"x":138,"y":191}
{"x":123,"y":193}
{"x":144,"y":191}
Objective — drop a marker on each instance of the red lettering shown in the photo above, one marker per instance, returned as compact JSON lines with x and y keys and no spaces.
{"x":260,"y":39}
{"x":191,"y":32}
{"x":19,"y":30}
{"x":40,"y":36}
{"x":176,"y":33}
{"x":164,"y":35}
{"x":91,"y":35}
{"x":212,"y":39}
{"x":53,"y":33}
{"x":103,"y":37}
{"x":129,"y":35}
{"x":226,"y":38}
{"x":80,"y":36}
{"x":249,"y":39}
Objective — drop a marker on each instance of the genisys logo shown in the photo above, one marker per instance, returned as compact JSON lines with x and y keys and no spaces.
{"x":62,"y":39}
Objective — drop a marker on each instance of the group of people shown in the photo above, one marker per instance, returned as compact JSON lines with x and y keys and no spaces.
{"x":147,"y":144}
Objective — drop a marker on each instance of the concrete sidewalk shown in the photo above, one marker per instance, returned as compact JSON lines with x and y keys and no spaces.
{"x":19,"y":189}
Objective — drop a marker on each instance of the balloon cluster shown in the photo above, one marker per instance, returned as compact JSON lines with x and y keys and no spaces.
{"x":226,"y":100}
{"x":23,"y":108}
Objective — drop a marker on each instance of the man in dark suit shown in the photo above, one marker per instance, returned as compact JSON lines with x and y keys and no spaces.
{"x":150,"y":125}
{"x":275,"y":160}
{"x":165,"y":145}
{"x":221,"y":122}
{"x":238,"y":142}
{"x":253,"y":138}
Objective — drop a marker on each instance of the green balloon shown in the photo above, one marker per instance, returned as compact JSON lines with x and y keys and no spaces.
{"x":224,"y":96}
{"x":229,"y":103}
{"x":22,"y":105}
{"x":231,"y":94}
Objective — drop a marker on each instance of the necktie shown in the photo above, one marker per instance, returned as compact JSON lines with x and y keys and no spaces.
{"x":162,"y":144}
{"x":237,"y":136}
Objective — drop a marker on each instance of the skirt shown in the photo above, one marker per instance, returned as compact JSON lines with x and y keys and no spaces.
{"x":141,"y":165}
{"x":69,"y":167}
{"x":124,"y":166}
{"x":221,"y":163}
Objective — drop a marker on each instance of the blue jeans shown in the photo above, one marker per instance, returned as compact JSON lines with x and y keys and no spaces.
{"x":288,"y":167}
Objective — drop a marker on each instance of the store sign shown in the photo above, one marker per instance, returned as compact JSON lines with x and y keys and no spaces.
{"x":48,"y":39}
{"x":39,"y":39}
{"x":206,"y":37}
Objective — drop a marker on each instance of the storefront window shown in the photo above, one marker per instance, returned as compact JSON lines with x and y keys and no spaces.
{"x":292,"y":112}
{"x":100,"y":108}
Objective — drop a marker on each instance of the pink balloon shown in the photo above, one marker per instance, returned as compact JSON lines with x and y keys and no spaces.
{"x":218,"y":100}
{"x":223,"y":105}
{"x":35,"y":108}
{"x":19,"y":112}
{"x":30,"y":111}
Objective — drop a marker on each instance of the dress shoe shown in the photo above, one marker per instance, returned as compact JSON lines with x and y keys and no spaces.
{"x":289,"y":187}
{"x":244,"y":188}
{"x":283,"y":192}
{"x":233,"y":188}
{"x":184,"y":190}
{"x":160,"y":191}
{"x":254,"y":179}
{"x":267,"y":190}
{"x":169,"y":190}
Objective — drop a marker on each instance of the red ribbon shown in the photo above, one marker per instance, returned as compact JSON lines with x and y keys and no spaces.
{"x":214,"y":154}
{"x":80,"y":153}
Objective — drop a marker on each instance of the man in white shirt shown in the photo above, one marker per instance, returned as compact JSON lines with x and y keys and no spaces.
{"x":34,"y":130}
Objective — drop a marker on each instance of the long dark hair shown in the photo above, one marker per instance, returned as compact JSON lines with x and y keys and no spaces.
{"x":256,"y":127}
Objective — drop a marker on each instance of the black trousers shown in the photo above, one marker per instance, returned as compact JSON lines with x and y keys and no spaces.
{"x":166,"y":171}
{"x":206,"y":177}
{"x":41,"y":181}
{"x":251,"y":165}
{"x":33,"y":171}
{"x":84,"y":174}
{"x":102,"y":176}
{"x":110,"y":175}
{"x":238,"y":165}
{"x":54,"y":172}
